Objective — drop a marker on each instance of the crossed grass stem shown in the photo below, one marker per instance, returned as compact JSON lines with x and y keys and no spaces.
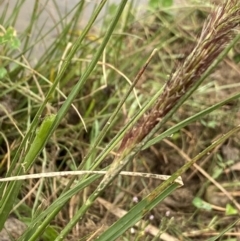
{"x":218,"y":30}
{"x":217,"y":33}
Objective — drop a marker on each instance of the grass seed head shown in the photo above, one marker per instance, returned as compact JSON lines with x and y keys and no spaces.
{"x":219,"y":29}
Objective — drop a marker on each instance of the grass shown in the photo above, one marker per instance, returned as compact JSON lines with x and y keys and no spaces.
{"x":153,"y":92}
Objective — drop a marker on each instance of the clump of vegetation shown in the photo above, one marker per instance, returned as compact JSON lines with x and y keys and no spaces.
{"x":127,"y":94}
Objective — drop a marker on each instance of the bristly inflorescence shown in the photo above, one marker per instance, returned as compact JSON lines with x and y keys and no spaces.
{"x":217,"y":32}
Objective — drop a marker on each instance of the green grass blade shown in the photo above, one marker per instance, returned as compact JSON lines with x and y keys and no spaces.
{"x":37,"y":145}
{"x":120,"y":224}
{"x":135,"y":214}
{"x":191,"y":90}
{"x":189,"y":120}
{"x":72,"y":95}
{"x":39,"y":223}
{"x":232,"y":225}
{"x":31,"y":25}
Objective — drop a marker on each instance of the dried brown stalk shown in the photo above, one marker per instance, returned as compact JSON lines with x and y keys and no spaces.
{"x":217,"y":32}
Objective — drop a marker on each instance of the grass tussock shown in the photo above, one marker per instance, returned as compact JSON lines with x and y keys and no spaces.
{"x":137,"y":97}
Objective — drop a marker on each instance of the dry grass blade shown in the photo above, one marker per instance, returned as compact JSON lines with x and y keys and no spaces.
{"x":77,"y":173}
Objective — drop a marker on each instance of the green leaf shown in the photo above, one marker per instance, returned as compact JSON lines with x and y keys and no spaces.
{"x":10,"y":37}
{"x":3,"y":72}
{"x":15,"y":43}
{"x":210,"y":124}
{"x":155,"y":4}
{"x":236,"y":58}
{"x":230,"y":210}
{"x":112,"y":9}
{"x":199,"y":203}
{"x":50,"y":234}
{"x":39,"y":141}
{"x":166,"y":3}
